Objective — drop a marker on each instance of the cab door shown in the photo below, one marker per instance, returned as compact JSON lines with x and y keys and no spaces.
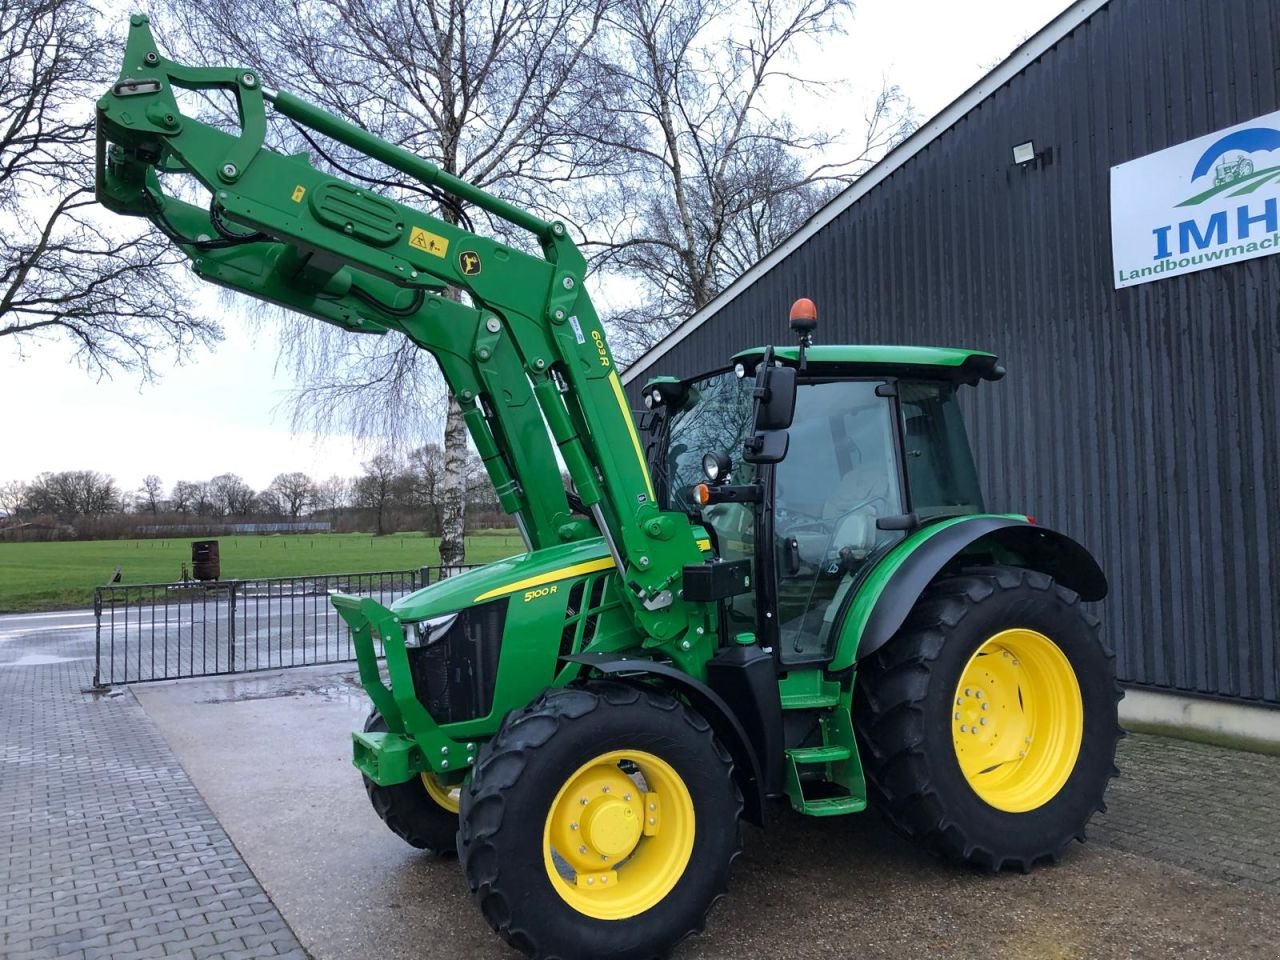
{"x":841,"y":473}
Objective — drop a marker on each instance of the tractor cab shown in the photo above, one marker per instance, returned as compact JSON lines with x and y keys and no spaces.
{"x":852,"y":449}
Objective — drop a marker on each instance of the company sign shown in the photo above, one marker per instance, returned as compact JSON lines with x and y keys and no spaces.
{"x":1204,"y":203}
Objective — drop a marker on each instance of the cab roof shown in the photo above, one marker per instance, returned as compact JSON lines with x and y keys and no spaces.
{"x":933,"y":363}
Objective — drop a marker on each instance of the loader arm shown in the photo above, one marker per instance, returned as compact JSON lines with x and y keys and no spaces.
{"x":526,"y":358}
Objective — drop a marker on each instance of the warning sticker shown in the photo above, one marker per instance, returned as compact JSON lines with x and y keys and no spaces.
{"x":428,"y":242}
{"x":298,"y":193}
{"x":577,"y":329}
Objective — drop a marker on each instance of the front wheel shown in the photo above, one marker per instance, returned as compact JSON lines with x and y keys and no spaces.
{"x":600,"y":822}
{"x":988,"y":724}
{"x":423,"y":812}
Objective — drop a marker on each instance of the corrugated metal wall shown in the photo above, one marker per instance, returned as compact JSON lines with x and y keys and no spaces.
{"x":1144,"y":422}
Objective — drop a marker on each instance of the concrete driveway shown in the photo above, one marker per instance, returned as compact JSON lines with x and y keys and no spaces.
{"x":270,"y":755}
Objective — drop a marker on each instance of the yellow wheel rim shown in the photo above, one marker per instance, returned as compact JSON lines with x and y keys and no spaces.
{"x":1017,"y":720}
{"x":619,"y":835}
{"x":442,"y":793}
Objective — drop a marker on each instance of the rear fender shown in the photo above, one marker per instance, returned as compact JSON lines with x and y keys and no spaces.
{"x":882,"y":603}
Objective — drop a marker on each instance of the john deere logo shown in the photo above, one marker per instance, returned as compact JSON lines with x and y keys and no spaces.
{"x":1198,"y":205}
{"x":469,"y":263}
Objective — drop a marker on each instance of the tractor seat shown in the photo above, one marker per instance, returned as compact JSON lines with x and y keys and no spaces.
{"x":865,"y":486}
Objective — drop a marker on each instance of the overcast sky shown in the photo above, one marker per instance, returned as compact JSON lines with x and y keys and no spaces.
{"x":228,"y":410}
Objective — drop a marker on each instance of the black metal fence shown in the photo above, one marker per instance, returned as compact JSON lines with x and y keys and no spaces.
{"x":166,"y":631}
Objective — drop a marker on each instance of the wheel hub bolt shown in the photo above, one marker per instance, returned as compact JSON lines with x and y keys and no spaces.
{"x":604,"y":789}
{"x":582,"y":849}
{"x":583,"y":801}
{"x":983,"y":721}
{"x":574,"y":825}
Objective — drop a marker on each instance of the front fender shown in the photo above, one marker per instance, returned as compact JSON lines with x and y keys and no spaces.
{"x":882,"y":603}
{"x":728,"y":728}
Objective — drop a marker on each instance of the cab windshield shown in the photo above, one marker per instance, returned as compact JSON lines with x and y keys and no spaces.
{"x":716,"y":416}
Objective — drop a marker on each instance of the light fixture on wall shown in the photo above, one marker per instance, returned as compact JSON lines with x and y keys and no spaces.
{"x":1025,"y":155}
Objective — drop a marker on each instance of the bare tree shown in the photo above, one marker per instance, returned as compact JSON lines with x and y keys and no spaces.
{"x":374,"y":490}
{"x":150,"y":492}
{"x":183,"y":496}
{"x":422,"y":483}
{"x":333,"y":494}
{"x":494,"y":92}
{"x":69,"y":494}
{"x":13,"y":496}
{"x":295,"y":492}
{"x":716,"y":180}
{"x":231,"y":495}
{"x":110,"y":291}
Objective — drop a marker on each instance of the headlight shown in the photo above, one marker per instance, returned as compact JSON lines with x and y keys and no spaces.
{"x":427,"y":632}
{"x":715,"y":465}
{"x":739,"y":370}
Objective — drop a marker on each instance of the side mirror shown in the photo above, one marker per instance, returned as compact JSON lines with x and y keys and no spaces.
{"x":767,"y":446}
{"x":776,"y":391}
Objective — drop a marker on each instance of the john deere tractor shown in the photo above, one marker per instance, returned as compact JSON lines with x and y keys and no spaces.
{"x":785,"y":587}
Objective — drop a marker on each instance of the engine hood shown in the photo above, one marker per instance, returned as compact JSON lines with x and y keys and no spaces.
{"x":527,"y":571}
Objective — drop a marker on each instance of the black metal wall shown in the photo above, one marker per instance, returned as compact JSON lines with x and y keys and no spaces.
{"x":1145,"y":422}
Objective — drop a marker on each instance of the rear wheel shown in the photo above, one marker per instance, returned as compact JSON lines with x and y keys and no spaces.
{"x":988,"y":724}
{"x":600,"y":822}
{"x":423,"y":811}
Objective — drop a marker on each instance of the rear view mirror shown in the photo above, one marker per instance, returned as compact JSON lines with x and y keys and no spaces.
{"x":769,"y":446}
{"x":776,"y":391}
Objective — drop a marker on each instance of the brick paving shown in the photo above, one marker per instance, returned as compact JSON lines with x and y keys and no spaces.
{"x":1202,"y":807}
{"x":108,"y":850}
{"x":106,"y":847}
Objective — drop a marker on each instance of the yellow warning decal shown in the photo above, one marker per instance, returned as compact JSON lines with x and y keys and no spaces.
{"x":428,"y":242}
{"x":298,"y":193}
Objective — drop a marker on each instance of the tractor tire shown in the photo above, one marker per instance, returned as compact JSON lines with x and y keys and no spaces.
{"x":988,"y":725}
{"x":422,"y":813}
{"x":604,"y":782}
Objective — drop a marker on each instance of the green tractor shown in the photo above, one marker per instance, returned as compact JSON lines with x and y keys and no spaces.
{"x":785,"y":586}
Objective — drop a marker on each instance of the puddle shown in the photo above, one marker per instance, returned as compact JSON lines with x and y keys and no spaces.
{"x":334,"y":690}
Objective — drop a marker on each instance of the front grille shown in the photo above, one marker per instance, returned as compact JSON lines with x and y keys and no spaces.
{"x":455,"y":676}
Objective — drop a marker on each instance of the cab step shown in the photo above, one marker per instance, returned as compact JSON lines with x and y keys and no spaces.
{"x":833,"y":806}
{"x":809,"y":701}
{"x":829,"y":754}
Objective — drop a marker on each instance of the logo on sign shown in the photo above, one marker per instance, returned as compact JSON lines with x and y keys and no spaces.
{"x":1224,"y":209}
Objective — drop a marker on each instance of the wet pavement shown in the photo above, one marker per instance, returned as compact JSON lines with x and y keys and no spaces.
{"x":270,"y":755}
{"x":106,"y":847}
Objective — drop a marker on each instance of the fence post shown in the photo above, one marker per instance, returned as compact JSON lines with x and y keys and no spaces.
{"x":97,"y":639}
{"x":424,"y":576}
{"x":231,"y":642}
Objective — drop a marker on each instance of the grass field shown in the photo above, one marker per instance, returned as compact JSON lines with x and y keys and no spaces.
{"x":59,"y":576}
